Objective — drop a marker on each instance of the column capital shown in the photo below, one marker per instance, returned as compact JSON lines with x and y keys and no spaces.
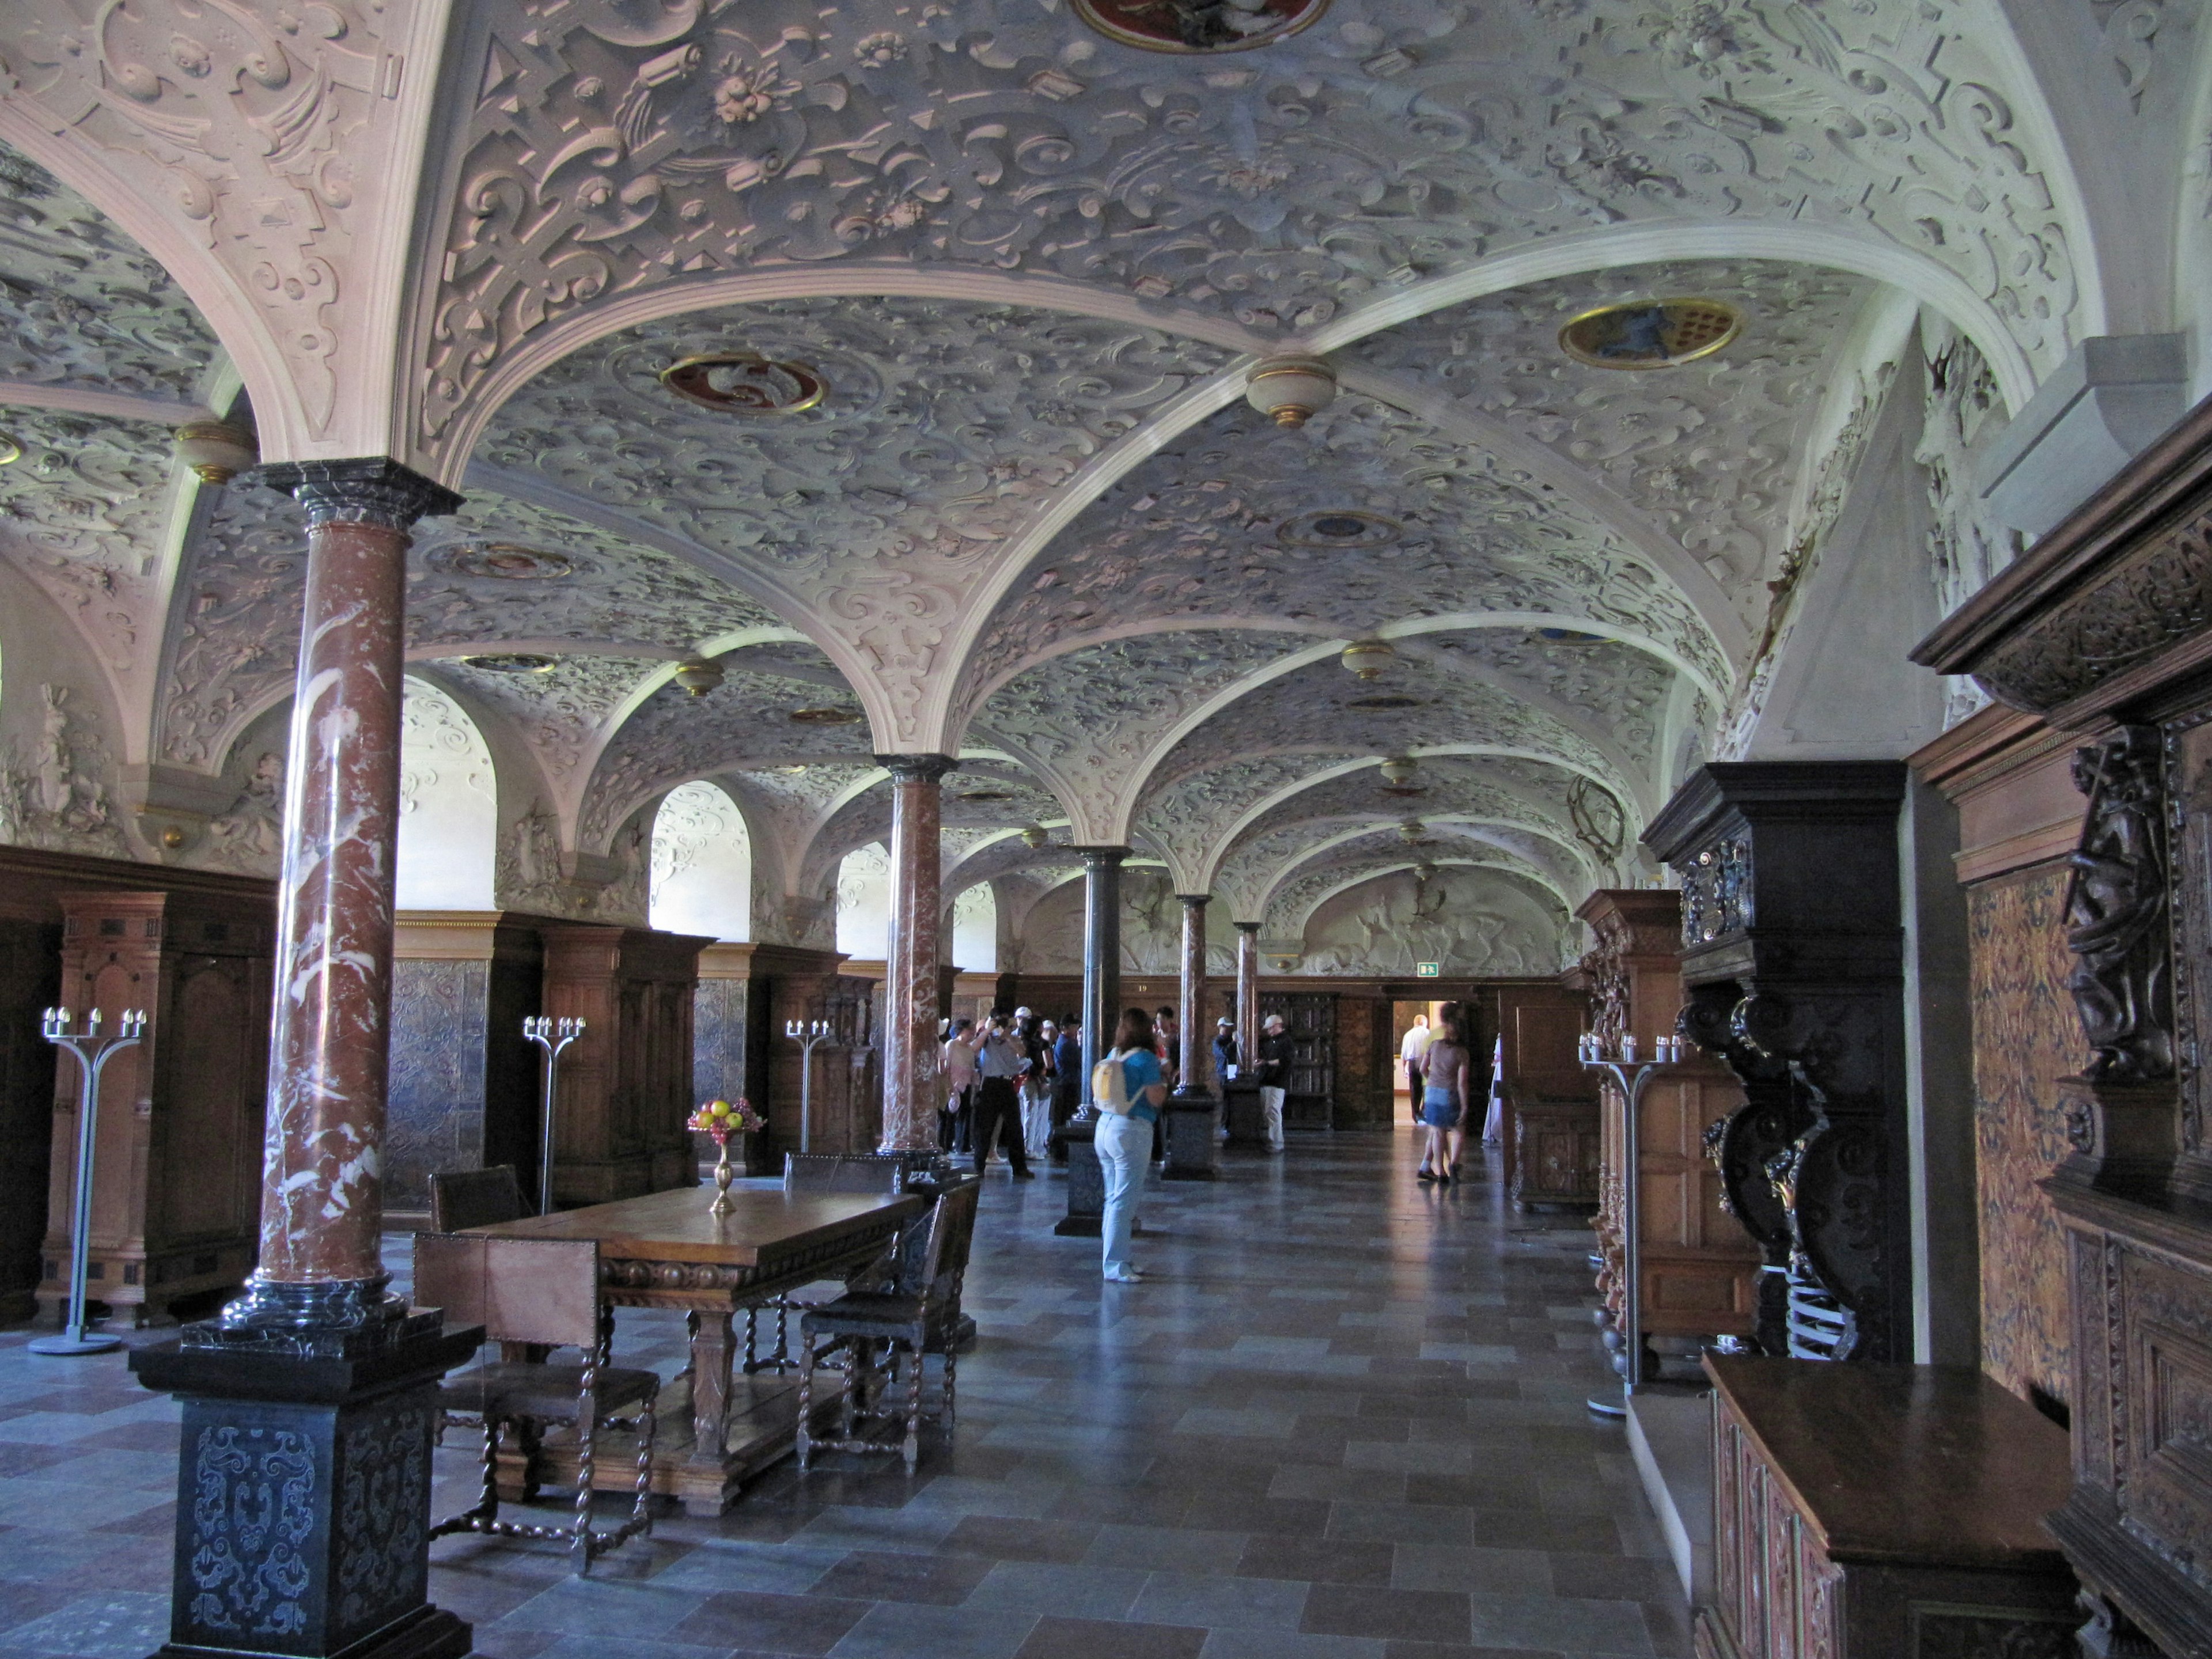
{"x":372,"y":489}
{"x":1102,"y":855}
{"x":1250,"y":927}
{"x":1194,"y":900}
{"x":918,"y":768}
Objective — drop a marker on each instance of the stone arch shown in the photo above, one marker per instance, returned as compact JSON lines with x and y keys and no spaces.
{"x":702,"y":864}
{"x":864,"y":901}
{"x":976,"y":929}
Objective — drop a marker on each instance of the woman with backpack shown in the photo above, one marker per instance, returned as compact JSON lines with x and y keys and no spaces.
{"x":1444,"y":1101}
{"x":1128,"y":1087}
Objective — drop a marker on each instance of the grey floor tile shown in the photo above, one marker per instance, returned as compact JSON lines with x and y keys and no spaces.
{"x":1079,"y":1592}
{"x":104,"y":1625}
{"x":1221,"y":1601}
{"x":906,"y":1630}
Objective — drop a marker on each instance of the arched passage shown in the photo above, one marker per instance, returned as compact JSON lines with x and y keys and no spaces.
{"x":448,"y":807}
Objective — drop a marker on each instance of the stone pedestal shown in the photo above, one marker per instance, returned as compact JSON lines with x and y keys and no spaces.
{"x":1086,"y":1182}
{"x":1193,"y":1135}
{"x":303,"y":1496}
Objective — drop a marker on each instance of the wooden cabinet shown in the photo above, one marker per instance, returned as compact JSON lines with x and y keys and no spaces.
{"x":177,"y":1164}
{"x":1700,"y":1267}
{"x":626,"y":1083}
{"x":1881,"y":1512}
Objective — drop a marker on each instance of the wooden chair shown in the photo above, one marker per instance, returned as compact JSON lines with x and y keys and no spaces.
{"x":826,"y":1172}
{"x":462,"y":1199}
{"x":537,"y":1290}
{"x":913,"y":1317}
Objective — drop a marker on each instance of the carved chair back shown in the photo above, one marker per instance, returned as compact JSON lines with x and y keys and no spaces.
{"x":840,"y":1172}
{"x":462,"y":1199}
{"x":543,"y":1290}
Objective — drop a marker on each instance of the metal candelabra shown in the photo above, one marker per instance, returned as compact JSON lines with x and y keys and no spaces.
{"x":1628,"y":1359}
{"x":809,"y":1035}
{"x":552,"y":1035}
{"x":93,"y":1052}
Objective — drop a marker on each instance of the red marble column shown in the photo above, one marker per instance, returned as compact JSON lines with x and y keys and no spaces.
{"x":1248,"y":996}
{"x":910,"y":1009}
{"x":1191,"y":998}
{"x":322,"y":1198}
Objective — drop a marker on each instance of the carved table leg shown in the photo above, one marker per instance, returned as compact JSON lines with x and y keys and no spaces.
{"x":714,"y":1345}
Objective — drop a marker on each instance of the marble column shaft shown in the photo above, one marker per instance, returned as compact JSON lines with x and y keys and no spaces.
{"x":1102,"y":953}
{"x":322,"y":1199}
{"x":911,"y":951}
{"x":1248,"y":996}
{"x":1191,"y":998}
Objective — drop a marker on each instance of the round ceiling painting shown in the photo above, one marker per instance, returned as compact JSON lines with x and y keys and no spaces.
{"x":1198,"y":25}
{"x":1650,"y":333}
{"x":745,"y":383}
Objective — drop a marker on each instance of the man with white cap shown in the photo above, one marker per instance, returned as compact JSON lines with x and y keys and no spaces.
{"x":1273,"y":1074}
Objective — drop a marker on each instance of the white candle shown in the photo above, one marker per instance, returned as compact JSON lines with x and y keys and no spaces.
{"x":1628,"y":1048}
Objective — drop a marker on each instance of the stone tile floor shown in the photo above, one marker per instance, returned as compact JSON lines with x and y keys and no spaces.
{"x":1343,"y":1420}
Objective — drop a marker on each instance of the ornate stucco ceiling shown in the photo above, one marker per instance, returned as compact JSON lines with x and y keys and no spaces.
{"x":1030,"y":520}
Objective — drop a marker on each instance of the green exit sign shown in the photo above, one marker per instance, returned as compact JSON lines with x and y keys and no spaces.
{"x":1429,"y":969}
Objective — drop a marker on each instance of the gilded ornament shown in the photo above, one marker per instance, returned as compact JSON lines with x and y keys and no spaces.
{"x":745,"y":383}
{"x":1198,"y":26}
{"x":1650,"y":333}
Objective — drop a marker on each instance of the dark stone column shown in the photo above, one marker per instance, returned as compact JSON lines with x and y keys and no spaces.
{"x":304,"y":1476}
{"x":910,"y":954}
{"x":1101,"y":1010}
{"x":1193,"y":1114}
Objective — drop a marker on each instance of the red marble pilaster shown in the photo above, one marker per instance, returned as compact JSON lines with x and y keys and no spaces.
{"x":911,"y":951}
{"x":1248,"y":996}
{"x":321,"y":1204}
{"x":1190,"y":1010}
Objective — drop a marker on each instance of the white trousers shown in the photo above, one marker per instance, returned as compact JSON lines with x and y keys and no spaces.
{"x":1125,"y":1149}
{"x":1036,"y":1119}
{"x":1271,"y":1103}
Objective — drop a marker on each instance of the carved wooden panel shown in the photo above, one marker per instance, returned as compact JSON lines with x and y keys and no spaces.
{"x":2026,"y":1038}
{"x":177,"y":1172}
{"x":30,"y":970}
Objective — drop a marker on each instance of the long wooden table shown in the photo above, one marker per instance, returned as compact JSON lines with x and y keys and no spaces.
{"x":718,"y":1427}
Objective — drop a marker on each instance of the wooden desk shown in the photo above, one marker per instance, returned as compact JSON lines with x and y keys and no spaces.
{"x":1882,"y":1512}
{"x":665,"y":1250}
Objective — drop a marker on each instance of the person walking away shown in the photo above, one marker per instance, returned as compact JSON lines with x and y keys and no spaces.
{"x":1037,"y":1104}
{"x":1274,"y":1076}
{"x":959,"y":1070}
{"x":1067,"y":1071}
{"x":997,"y":1103}
{"x":1124,"y":1138}
{"x":1412,"y":1053}
{"x":1443,"y":1104}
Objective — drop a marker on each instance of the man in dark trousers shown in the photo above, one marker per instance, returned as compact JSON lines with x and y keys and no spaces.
{"x":998,"y":1102}
{"x":1067,"y":1079}
{"x":1273,"y":1074}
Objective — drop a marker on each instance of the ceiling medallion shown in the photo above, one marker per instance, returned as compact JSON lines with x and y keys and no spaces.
{"x":825,"y":716}
{"x":10,"y":451}
{"x":1382,"y":703}
{"x":1198,"y":25}
{"x":1650,"y":333}
{"x":745,"y":383}
{"x":986,"y":795}
{"x":1291,"y":390}
{"x":1569,"y":637}
{"x":507,"y":561}
{"x":1340,"y":527}
{"x":510,"y":662}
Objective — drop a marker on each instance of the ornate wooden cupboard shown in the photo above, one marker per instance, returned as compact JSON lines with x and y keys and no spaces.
{"x":2104,"y":629}
{"x":1700,"y":1267}
{"x":1792,"y":956}
{"x":1553,"y":1140}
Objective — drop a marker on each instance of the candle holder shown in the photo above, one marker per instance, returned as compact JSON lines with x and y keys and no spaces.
{"x":722,"y":1119}
{"x":809,"y":1035}
{"x":552,"y":1037}
{"x":1629,"y":1360}
{"x":93,"y":1052}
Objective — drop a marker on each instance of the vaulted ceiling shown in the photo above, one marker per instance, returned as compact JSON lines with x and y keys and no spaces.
{"x":999,"y":493}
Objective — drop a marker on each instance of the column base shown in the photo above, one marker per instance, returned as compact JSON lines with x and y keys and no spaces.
{"x":1194,"y":1125}
{"x":303,"y":1487}
{"x":1086,"y":1182}
{"x":426,"y":1633}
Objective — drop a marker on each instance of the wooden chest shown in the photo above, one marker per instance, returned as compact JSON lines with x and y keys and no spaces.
{"x":1882,"y":1512}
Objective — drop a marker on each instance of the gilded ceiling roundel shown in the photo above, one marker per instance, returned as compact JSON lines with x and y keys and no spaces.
{"x":1198,"y":25}
{"x":1650,"y":333}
